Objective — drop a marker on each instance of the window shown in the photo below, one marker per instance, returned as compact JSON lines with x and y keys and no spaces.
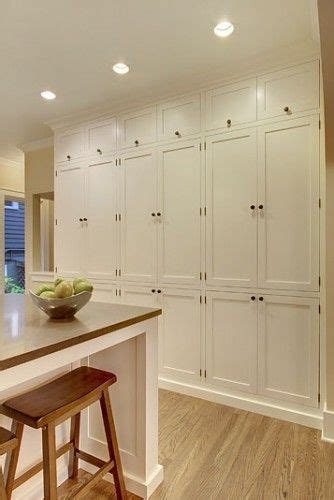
{"x":13,"y":205}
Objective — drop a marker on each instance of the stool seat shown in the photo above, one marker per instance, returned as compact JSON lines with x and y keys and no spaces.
{"x":44,"y":404}
{"x":8,"y":440}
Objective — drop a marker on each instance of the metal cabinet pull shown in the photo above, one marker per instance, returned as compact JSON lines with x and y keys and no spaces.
{"x":253,"y":297}
{"x":229,"y":122}
{"x":136,"y":142}
{"x":68,"y":157}
{"x":85,"y":219}
{"x":252,"y":207}
{"x":158,"y":291}
{"x":159,"y":214}
{"x":153,"y":290}
{"x":153,"y":214}
{"x":261,"y":299}
{"x":261,"y":207}
{"x":287,"y":109}
{"x":177,"y":133}
{"x":99,"y":151}
{"x":80,"y":220}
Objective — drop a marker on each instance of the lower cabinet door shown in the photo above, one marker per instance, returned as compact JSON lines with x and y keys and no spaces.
{"x":289,"y":348}
{"x":180,"y":334}
{"x":139,"y":296}
{"x":231,"y":340}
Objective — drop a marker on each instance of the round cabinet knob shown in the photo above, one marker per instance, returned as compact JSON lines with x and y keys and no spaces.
{"x":253,"y":297}
{"x":261,"y":207}
{"x":68,"y":157}
{"x":99,"y":151}
{"x":153,"y":214}
{"x":80,"y":220}
{"x":287,"y":109}
{"x":158,"y":291}
{"x":136,"y":142}
{"x":252,"y":207}
{"x":177,"y":133}
{"x":229,"y":122}
{"x":85,"y":219}
{"x":153,"y":290}
{"x":261,"y":299}
{"x":159,"y":214}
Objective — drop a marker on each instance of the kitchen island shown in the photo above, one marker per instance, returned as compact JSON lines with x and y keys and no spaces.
{"x":113,"y":337}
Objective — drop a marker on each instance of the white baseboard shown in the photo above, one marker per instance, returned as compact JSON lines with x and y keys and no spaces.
{"x":133,"y":484}
{"x":310,"y":417}
{"x":328,"y":426}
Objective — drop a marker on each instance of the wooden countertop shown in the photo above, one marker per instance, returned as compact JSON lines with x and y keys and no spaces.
{"x":27,"y":333}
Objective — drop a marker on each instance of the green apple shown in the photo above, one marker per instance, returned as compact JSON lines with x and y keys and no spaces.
{"x":64,"y":289}
{"x":45,"y":288}
{"x":48,"y":295}
{"x":78,"y":280}
{"x":83,"y":286}
{"x":58,"y":280}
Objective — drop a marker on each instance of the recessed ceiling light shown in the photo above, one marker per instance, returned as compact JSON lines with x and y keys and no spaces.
{"x":224,"y":29}
{"x":48,"y":95}
{"x":120,"y":68}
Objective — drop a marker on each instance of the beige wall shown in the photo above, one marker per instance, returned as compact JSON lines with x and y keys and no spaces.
{"x":39,"y":176}
{"x":11,"y":178}
{"x":326,"y":20}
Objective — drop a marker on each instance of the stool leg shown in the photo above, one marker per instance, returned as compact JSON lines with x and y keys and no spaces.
{"x":110,"y":431}
{"x":3,"y":495}
{"x":49,"y":462}
{"x":12,"y":458}
{"x":75,"y":439}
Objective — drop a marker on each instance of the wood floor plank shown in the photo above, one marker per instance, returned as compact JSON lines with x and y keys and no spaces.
{"x":214,"y":452}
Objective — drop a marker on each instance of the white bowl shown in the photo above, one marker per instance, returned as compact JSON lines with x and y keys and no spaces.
{"x":61,"y":308}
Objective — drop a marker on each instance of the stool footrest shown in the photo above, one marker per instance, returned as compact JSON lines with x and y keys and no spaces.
{"x":87,"y":457}
{"x":38,"y":467}
{"x":107,"y":467}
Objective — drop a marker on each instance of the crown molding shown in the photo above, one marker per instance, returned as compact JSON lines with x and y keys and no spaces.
{"x":6,"y":162}
{"x":263,"y":65}
{"x":38,"y":144}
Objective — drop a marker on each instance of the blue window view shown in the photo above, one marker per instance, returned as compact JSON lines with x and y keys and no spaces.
{"x":14,"y":246}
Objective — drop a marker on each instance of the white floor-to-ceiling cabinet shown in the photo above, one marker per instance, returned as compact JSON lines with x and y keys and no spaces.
{"x":207,"y":205}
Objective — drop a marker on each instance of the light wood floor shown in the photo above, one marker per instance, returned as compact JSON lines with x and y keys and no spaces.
{"x":213,"y":452}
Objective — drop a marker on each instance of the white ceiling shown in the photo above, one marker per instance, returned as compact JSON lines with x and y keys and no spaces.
{"x":69,"y":46}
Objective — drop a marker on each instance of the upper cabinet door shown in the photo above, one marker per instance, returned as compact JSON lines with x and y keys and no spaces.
{"x":70,"y":227}
{"x":179,"y":221}
{"x":231,"y":222}
{"x":138,"y":127}
{"x":289,"y":349}
{"x":179,"y":118}
{"x":289,"y":91}
{"x":231,"y":105}
{"x":289,"y":197}
{"x":231,"y":334}
{"x":70,"y":145}
{"x":101,"y":238}
{"x":139,"y":217}
{"x":101,"y":138}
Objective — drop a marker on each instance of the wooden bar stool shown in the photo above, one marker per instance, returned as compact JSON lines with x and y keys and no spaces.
{"x":50,"y":405}
{"x":8,"y":443}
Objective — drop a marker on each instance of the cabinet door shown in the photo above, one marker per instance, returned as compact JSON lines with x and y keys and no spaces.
{"x":231,"y":222}
{"x":70,"y":145}
{"x":101,"y":138}
{"x":180,"y":335}
{"x":231,"y":104}
{"x":69,"y":230}
{"x":138,"y":127}
{"x":139,"y":296}
{"x":139,"y":220}
{"x":180,"y":223}
{"x":289,"y":91}
{"x":105,"y":293}
{"x":180,"y":117}
{"x":101,"y":235}
{"x":289,"y":194}
{"x":289,"y":349}
{"x":231,"y":340}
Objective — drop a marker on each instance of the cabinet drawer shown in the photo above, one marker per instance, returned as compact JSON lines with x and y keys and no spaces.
{"x":138,"y":128}
{"x":70,"y":145}
{"x":101,"y":138}
{"x":179,"y":118}
{"x":231,"y":104}
{"x":288,"y":91}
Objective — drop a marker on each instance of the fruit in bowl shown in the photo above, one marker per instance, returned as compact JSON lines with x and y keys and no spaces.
{"x":62,"y":299}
